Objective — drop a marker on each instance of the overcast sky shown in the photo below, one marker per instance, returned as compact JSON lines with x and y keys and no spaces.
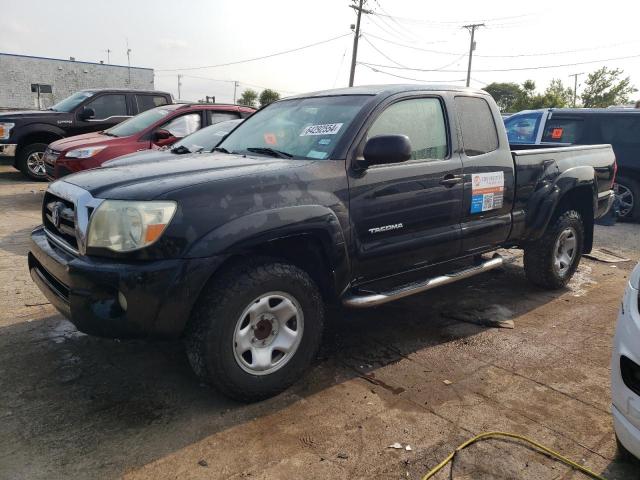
{"x":167,"y":35}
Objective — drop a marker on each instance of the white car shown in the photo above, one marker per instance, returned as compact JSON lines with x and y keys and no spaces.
{"x":625,"y":370}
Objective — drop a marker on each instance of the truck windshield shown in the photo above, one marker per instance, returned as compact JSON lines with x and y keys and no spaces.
{"x":69,"y":103}
{"x":523,"y":127}
{"x":306,"y":128}
{"x":138,"y":123}
{"x":205,"y":139}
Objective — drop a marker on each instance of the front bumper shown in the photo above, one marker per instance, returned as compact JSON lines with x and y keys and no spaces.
{"x":88,"y":291}
{"x":8,"y":149}
{"x":626,"y":402}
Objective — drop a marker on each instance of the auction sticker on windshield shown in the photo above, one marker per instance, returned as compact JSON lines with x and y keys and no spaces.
{"x":487,"y":191}
{"x":326,"y":129}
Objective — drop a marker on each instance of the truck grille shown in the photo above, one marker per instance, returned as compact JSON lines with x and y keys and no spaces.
{"x":58,"y":216}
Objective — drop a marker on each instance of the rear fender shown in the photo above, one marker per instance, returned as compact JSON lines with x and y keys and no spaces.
{"x":548,"y":195}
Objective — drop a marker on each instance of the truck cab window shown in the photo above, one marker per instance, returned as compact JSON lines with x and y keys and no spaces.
{"x":479,"y":133}
{"x":217,"y":117}
{"x":420,"y":119}
{"x":147,"y":102}
{"x":106,"y":106}
{"x":522,"y":128}
{"x":184,"y":125}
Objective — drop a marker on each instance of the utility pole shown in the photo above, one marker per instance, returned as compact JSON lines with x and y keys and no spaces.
{"x":472,"y":46}
{"x":235,"y":86}
{"x":108,"y":55}
{"x":354,"y":54}
{"x":575,"y":86}
{"x":179,"y":85}
{"x":129,"y":61}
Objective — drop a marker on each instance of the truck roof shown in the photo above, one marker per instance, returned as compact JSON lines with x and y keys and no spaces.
{"x":133,"y":90}
{"x":387,"y":89}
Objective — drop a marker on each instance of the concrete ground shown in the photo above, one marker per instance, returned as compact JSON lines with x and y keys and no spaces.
{"x":77,"y":407}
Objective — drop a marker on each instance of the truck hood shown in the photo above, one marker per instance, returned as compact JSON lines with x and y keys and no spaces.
{"x":149,"y":180}
{"x":30,"y":115}
{"x":85,"y":140}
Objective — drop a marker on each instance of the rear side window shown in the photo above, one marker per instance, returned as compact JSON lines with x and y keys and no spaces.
{"x":184,"y":125}
{"x":619,"y":130}
{"x":217,"y":117}
{"x":420,"y":119}
{"x":563,"y":130}
{"x":147,"y":102}
{"x":479,"y":134}
{"x":522,"y":128}
{"x":106,"y":106}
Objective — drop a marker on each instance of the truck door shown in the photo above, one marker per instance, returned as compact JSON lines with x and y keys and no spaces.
{"x":406,"y":215}
{"x":109,"y":109}
{"x":489,"y":180}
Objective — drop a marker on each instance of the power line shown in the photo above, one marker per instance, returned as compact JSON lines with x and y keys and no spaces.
{"x":453,"y":23}
{"x":540,"y":67}
{"x":380,"y":52}
{"x":255,"y":58}
{"x":428,"y":50}
{"x":409,"y":78}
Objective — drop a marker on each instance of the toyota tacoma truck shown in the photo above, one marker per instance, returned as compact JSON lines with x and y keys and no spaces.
{"x":25,"y":134}
{"x":357,"y":197}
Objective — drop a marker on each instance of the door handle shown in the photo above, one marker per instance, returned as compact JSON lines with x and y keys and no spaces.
{"x":451,"y":180}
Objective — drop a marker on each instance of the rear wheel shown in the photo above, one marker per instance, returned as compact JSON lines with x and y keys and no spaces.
{"x":628,"y":198}
{"x":30,"y":161}
{"x":255,"y":329}
{"x":552,"y":260}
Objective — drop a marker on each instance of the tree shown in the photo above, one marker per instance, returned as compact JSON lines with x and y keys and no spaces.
{"x":605,"y":88}
{"x":505,"y":94}
{"x":557,"y":95}
{"x":268,"y":96}
{"x":248,"y":98}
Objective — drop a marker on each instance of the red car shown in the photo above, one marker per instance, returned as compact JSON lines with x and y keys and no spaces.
{"x":153,"y":129}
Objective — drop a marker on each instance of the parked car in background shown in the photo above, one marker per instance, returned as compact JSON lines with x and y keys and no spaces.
{"x":202,"y":141}
{"x":359,"y":196}
{"x":153,"y":129}
{"x":625,"y":370}
{"x":589,"y":126}
{"x":24,"y":135}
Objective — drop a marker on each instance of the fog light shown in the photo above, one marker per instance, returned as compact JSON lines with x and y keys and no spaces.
{"x":122,"y":300}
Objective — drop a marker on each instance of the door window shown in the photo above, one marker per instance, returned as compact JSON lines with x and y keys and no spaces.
{"x":147,"y":102}
{"x":420,"y":119}
{"x":620,"y":130}
{"x":184,"y":125}
{"x":563,"y":130}
{"x":479,"y":134}
{"x":217,"y":117}
{"x":107,"y":106}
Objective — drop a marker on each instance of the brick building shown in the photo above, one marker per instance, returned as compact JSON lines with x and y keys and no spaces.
{"x":36,"y":82}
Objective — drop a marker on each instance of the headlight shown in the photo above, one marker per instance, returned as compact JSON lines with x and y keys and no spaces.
{"x":5,"y":130}
{"x":84,"y":152}
{"x":123,"y":226}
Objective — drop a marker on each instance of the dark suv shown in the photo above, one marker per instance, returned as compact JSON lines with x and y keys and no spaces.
{"x":24,"y":135}
{"x":589,"y":126}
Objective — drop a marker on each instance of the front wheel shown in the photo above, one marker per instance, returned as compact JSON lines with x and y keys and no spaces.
{"x":552,"y":260}
{"x":30,"y":161}
{"x":255,"y":329}
{"x":628,"y":199}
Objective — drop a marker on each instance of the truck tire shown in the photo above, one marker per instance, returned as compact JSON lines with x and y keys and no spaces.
{"x":30,"y":161}
{"x":255,"y":329}
{"x":551,"y":261}
{"x":628,"y":196}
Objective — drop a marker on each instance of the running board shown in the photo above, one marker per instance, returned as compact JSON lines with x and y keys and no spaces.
{"x":370,"y":299}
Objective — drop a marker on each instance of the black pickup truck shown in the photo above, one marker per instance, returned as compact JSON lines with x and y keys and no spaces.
{"x":25,"y":134}
{"x":357,"y":196}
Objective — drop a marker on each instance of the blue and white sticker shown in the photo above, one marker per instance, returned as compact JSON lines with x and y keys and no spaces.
{"x":487,"y":191}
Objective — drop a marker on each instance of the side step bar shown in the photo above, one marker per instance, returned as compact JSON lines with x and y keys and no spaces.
{"x":367,"y":300}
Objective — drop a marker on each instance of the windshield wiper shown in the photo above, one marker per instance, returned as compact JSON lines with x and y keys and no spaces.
{"x":180,"y":149}
{"x":109,"y":134}
{"x":270,"y":151}
{"x":220,"y":149}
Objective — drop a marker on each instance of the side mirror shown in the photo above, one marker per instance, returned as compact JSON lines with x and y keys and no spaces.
{"x":86,"y":113}
{"x":384,"y":149}
{"x":162,"y":137}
